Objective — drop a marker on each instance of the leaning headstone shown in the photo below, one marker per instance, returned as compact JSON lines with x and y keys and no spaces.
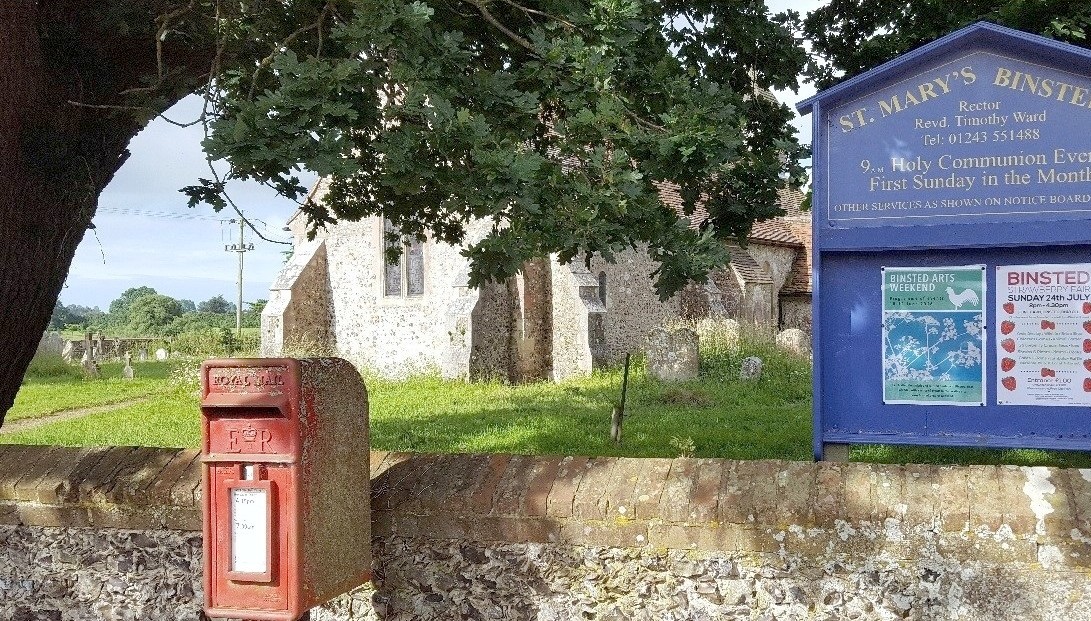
{"x":795,"y":341}
{"x":127,"y":372}
{"x":51,"y":345}
{"x":90,"y":367}
{"x":161,"y":354}
{"x":69,"y":351}
{"x":751,"y":369}
{"x":673,"y":354}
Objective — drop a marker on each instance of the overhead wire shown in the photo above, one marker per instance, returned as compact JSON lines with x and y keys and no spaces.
{"x":174,"y":215}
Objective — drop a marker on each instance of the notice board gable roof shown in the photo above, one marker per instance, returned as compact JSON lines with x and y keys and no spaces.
{"x":980,"y":34}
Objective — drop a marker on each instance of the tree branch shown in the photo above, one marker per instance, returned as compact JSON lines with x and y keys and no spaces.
{"x":489,"y":17}
{"x":135,"y":109}
{"x":223,"y":191}
{"x":268,"y":60}
{"x":530,"y":11}
{"x":165,"y":22}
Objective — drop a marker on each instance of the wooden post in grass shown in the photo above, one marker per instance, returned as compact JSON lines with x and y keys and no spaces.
{"x":619,"y":410}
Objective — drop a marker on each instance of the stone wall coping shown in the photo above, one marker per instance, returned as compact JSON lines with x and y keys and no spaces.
{"x":1003,"y":512}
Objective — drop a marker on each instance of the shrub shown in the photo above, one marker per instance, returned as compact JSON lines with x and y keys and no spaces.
{"x":215,"y":343}
{"x":52,"y":365}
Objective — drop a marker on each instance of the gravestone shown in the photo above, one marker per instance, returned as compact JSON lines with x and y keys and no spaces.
{"x":161,"y":354}
{"x":69,"y":351}
{"x":128,"y":372}
{"x":795,"y":341}
{"x":143,"y":354}
{"x":750,"y":370}
{"x":673,"y":354}
{"x":51,"y":345}
{"x":90,"y":367}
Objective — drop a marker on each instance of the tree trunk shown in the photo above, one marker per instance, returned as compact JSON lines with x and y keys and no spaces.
{"x":56,"y":155}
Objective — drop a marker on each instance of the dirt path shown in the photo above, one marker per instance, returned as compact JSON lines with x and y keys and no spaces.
{"x":25,"y":424}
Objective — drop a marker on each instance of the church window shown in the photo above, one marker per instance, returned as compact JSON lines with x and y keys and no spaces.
{"x":404,"y":276}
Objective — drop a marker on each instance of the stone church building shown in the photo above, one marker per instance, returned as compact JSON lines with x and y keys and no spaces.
{"x":552,"y":321}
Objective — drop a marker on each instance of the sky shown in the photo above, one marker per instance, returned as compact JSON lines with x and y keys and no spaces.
{"x":145,"y":235}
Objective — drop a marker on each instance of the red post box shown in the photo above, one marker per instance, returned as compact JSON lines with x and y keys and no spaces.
{"x":286,"y":485}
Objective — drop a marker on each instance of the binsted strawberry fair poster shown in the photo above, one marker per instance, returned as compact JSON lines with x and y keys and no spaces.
{"x":1043,"y":316}
{"x":933,"y":335}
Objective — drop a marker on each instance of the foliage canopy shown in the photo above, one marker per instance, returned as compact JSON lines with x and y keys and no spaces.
{"x":852,"y":36}
{"x":549,"y":118}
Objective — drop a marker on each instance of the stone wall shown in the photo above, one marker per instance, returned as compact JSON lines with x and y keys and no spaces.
{"x":578,"y":333}
{"x":298,"y":319}
{"x":99,"y":534}
{"x":397,"y":334}
{"x":795,"y":312}
{"x":550,"y":321}
{"x":633,"y":308}
{"x":776,"y":261}
{"x":111,"y":534}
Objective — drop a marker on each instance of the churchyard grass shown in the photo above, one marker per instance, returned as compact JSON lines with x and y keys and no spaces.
{"x":52,"y":390}
{"x":716,"y":415}
{"x":168,"y":420}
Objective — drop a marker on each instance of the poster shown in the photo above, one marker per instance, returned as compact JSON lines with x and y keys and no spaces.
{"x":1043,"y":316}
{"x":933,"y":336}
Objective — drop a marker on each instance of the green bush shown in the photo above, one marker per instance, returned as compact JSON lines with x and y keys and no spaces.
{"x":51,"y":365}
{"x":216,"y":343}
{"x":201,"y":343}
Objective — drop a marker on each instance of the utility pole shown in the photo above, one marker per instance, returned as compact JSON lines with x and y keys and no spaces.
{"x":241,"y":248}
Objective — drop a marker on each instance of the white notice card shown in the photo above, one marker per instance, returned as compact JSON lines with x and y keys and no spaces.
{"x":1043,"y":317}
{"x":249,"y":530}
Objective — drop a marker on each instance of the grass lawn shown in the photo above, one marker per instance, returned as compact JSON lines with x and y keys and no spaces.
{"x":45,"y":395}
{"x":170,"y":420}
{"x":716,"y":415}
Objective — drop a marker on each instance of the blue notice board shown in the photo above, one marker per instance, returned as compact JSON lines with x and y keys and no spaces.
{"x":952,"y":247}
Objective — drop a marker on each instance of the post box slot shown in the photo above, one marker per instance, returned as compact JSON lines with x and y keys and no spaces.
{"x":242,"y":411}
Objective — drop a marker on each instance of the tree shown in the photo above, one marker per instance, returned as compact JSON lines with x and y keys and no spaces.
{"x":549,"y":118}
{"x":187,"y":306}
{"x":251,"y":317}
{"x":152,"y":314}
{"x":119,"y":307}
{"x":850,"y":36}
{"x":199,"y":322}
{"x":61,"y":317}
{"x":217,"y":305}
{"x":74,"y":315}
